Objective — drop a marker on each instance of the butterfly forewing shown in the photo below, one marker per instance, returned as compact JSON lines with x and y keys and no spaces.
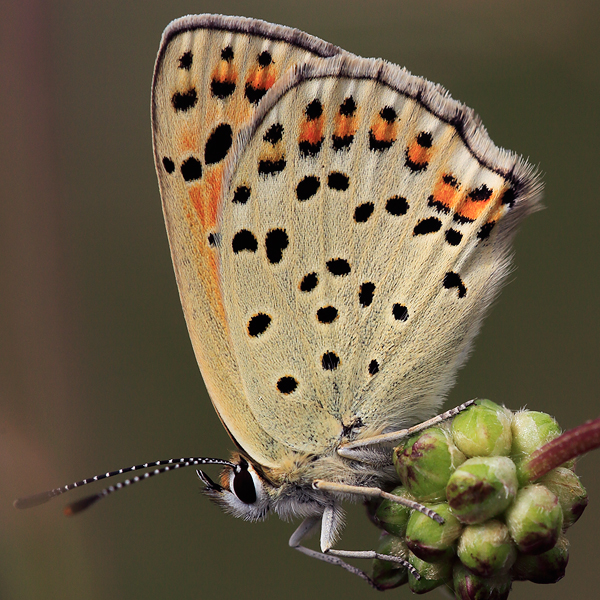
{"x":374,"y":235}
{"x":211,"y":74}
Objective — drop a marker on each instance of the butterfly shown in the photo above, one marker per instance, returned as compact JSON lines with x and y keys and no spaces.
{"x":338,"y":229}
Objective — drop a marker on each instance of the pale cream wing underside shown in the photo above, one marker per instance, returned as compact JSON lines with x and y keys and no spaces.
{"x":374,"y":233}
{"x":211,"y":73}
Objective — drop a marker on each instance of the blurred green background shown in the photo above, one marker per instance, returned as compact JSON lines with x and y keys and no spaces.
{"x":96,"y":369}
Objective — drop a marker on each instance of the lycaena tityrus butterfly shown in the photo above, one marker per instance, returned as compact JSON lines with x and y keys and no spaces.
{"x":338,"y":229}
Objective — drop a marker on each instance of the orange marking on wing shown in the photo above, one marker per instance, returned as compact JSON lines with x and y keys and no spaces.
{"x":225,"y":72}
{"x":262,"y":77}
{"x":383,"y":131}
{"x":188,"y":140}
{"x":311,"y":131}
{"x":446,"y":192}
{"x":197,"y":194}
{"x":471,"y":208}
{"x":498,"y":213}
{"x":214,"y":185}
{"x":418,"y":155}
{"x":345,"y":126}
{"x":205,"y":196}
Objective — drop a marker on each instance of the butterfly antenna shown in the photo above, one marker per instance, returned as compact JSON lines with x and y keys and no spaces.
{"x":160,"y":466}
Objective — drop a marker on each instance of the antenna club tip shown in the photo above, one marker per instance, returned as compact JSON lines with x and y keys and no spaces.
{"x":31,"y":501}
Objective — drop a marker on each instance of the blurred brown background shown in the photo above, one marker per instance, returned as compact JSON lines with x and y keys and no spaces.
{"x":96,"y":369}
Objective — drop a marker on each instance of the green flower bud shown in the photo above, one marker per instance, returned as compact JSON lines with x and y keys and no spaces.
{"x":535,"y":519}
{"x":570,"y":493}
{"x":429,"y":540}
{"x":530,"y":430}
{"x":484,"y":429}
{"x":392,"y":516}
{"x":487,"y":549}
{"x":432,"y":574}
{"x":482,"y":488}
{"x":548,"y":567}
{"x":386,"y":574}
{"x":468,"y":586}
{"x":425,"y":462}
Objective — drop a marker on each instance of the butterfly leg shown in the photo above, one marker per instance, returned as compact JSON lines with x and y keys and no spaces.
{"x":304,"y":530}
{"x":333,"y":556}
{"x":362,"y":450}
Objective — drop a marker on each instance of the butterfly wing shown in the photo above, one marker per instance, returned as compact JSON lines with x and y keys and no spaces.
{"x":211,"y":74}
{"x":374,"y":233}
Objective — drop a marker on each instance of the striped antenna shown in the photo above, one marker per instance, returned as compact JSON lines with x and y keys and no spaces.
{"x":159,"y":466}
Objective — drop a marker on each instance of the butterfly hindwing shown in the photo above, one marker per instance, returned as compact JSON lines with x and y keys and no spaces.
{"x":373,"y":236}
{"x":211,"y":74}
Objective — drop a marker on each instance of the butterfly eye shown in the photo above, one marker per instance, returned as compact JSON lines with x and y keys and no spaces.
{"x":242,"y":484}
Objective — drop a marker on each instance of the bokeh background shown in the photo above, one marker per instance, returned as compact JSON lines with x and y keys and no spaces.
{"x":96,"y":368}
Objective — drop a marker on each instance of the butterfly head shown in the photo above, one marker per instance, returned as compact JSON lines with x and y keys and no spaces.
{"x":243,"y":491}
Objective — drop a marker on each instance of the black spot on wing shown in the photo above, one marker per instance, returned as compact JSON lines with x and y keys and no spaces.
{"x":453,"y":280}
{"x":184,"y":101}
{"x":274,"y":134}
{"x":287,"y":384}
{"x":338,"y":266}
{"x":400,"y":312}
{"x":363,"y":212}
{"x":330,"y":361}
{"x":276,"y":242}
{"x":365,"y":295}
{"x":327,"y":314}
{"x":338,"y":181}
{"x":218,"y":144}
{"x":271,"y":167}
{"x":185,"y":60}
{"x":191,"y":169}
{"x":429,"y":225}
{"x":309,"y":282}
{"x":453,"y":237}
{"x":241,"y":195}
{"x":244,"y":240}
{"x":258,"y":324}
{"x":397,"y":206}
{"x":307,"y":187}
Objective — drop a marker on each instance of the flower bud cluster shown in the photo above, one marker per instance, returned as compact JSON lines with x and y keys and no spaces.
{"x":499,"y":525}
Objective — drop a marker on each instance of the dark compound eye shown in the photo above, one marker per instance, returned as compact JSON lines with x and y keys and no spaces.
{"x":243,"y":484}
